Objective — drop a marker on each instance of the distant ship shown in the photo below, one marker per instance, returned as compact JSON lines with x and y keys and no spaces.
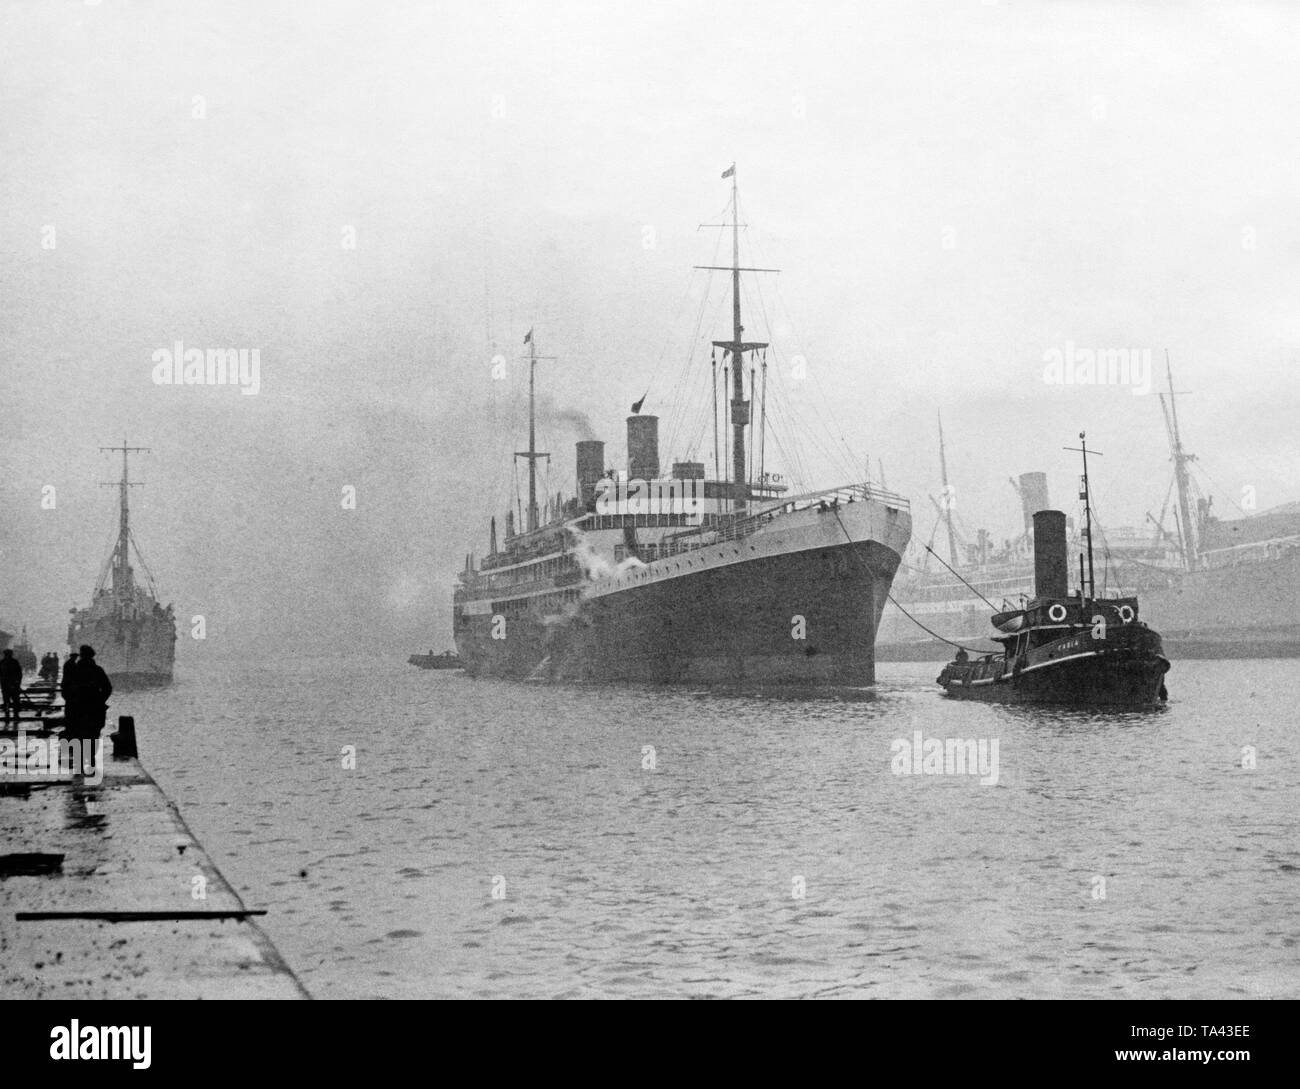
{"x":641,"y":577}
{"x":445,"y":660}
{"x":133,"y":635}
{"x":1214,"y":588}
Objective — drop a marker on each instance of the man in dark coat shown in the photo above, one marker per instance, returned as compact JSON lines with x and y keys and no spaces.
{"x":67,"y":688}
{"x":87,"y":695}
{"x":11,"y":682}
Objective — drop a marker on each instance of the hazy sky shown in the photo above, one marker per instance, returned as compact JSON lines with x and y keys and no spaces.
{"x":951,"y":190}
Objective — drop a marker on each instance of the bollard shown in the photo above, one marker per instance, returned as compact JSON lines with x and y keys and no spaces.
{"x":124,"y":740}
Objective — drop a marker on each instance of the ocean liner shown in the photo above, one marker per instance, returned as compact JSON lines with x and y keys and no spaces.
{"x":643,"y":577}
{"x":133,"y":635}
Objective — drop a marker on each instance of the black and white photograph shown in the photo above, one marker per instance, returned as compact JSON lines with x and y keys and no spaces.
{"x":619,"y":501}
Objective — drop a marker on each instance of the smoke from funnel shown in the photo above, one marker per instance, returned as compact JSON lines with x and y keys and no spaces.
{"x":571,"y":417}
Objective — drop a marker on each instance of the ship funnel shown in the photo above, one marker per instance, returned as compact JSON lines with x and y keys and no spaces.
{"x":1051,"y":566}
{"x":1033,"y":497}
{"x":643,"y":447}
{"x":591,"y":467}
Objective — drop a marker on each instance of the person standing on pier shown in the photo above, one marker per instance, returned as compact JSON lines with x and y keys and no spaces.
{"x":67,"y":688}
{"x":11,"y":682}
{"x":86,"y":696}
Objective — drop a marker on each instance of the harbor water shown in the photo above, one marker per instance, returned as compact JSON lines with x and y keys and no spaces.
{"x":421,"y":834}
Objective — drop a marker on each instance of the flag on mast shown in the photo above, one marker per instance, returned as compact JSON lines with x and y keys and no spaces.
{"x":528,"y":337}
{"x":636,"y":407}
{"x":729,"y":171}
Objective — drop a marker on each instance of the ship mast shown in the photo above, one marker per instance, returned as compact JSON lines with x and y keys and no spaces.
{"x":1086,"y":496}
{"x":1190,"y":537}
{"x":122,"y":580}
{"x":736,"y":348}
{"x":532,"y":453}
{"x":947,"y":496}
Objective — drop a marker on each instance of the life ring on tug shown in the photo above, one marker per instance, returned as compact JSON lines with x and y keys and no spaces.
{"x":1056,"y":613}
{"x":1126,"y":613}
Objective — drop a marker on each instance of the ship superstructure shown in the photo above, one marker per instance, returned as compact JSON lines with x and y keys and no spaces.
{"x":660,"y":577}
{"x":133,"y":634}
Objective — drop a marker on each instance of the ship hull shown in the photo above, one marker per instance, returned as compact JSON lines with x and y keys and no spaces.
{"x":1091,"y":682}
{"x":134,"y":653}
{"x":802,"y":618}
{"x":1128,"y":672}
{"x":1247,"y":611}
{"x":796,"y":605}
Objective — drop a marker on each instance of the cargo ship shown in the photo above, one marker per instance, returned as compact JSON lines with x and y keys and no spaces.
{"x":132,"y":633}
{"x":1074,"y":650}
{"x":683,"y":578}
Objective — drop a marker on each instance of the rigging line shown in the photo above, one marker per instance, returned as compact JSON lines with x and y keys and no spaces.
{"x":793,"y":466}
{"x":931,"y":631}
{"x":668,"y":334}
{"x":682,"y":398}
{"x":849,"y":537}
{"x":778,"y":298}
{"x":681,"y":403}
{"x":1223,"y":492}
{"x":812,"y":437}
{"x":139,"y":555}
{"x":829,"y":453}
{"x":108,"y":563}
{"x":782,"y":428}
{"x":684,"y":372}
{"x":962,"y":580}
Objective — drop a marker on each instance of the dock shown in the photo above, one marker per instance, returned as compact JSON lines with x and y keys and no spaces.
{"x":106,"y":894}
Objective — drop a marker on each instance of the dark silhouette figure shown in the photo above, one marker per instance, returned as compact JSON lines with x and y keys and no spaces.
{"x":67,"y":688}
{"x":50,"y":668}
{"x":962,"y":656}
{"x":11,"y":683}
{"x":86,"y":689}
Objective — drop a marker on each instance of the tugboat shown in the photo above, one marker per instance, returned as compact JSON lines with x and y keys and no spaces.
{"x":445,"y":660}
{"x":1076,"y":650}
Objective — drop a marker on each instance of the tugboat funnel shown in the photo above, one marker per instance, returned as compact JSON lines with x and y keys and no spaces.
{"x":1051,"y":565}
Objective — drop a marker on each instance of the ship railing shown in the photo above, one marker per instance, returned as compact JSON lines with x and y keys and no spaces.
{"x":738,"y":527}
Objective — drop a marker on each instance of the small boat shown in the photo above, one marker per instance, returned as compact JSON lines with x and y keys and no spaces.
{"x":1077,"y":650}
{"x":445,"y":660}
